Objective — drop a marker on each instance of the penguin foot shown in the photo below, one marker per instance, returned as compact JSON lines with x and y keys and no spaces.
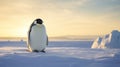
{"x":42,"y":51}
{"x":38,"y":51}
{"x":35,"y":51}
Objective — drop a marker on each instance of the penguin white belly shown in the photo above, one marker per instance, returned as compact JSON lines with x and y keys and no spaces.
{"x":38,"y":38}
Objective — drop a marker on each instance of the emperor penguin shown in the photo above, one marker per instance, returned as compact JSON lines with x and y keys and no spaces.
{"x":37,"y":36}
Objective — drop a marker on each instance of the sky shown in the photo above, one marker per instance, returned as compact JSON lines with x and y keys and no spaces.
{"x":61,"y":17}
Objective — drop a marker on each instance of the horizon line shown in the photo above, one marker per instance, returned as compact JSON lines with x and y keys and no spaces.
{"x":52,"y":36}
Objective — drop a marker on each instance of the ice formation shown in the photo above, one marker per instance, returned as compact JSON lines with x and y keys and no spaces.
{"x":111,"y":40}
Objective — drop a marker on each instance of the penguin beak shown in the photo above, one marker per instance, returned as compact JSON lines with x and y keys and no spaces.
{"x":35,"y":22}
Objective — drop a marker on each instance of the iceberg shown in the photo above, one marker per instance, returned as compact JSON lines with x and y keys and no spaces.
{"x":111,"y":40}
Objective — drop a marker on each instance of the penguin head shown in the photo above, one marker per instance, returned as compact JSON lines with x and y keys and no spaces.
{"x":38,"y":21}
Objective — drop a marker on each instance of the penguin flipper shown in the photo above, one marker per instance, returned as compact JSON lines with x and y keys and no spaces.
{"x":28,"y":45}
{"x":30,"y":32}
{"x":47,"y":41}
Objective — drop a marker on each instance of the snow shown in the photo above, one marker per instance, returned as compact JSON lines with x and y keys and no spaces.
{"x":58,"y":54}
{"x":111,"y":40}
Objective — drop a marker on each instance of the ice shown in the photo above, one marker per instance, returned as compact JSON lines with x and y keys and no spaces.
{"x":111,"y":40}
{"x":58,"y":54}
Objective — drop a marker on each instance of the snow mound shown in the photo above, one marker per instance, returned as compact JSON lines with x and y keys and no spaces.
{"x":111,"y":40}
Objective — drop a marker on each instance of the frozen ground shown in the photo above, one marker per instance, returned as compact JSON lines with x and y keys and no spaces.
{"x":58,"y":54}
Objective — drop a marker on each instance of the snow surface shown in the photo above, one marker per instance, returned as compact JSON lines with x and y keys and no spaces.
{"x":58,"y":54}
{"x":111,"y":40}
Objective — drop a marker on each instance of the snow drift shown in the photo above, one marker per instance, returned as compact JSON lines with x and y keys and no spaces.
{"x":111,"y":40}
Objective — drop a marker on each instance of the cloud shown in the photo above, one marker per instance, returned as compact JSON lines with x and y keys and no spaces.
{"x":39,"y":6}
{"x":62,"y":10}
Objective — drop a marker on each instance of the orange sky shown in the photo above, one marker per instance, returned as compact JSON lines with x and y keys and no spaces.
{"x":61,"y":17}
